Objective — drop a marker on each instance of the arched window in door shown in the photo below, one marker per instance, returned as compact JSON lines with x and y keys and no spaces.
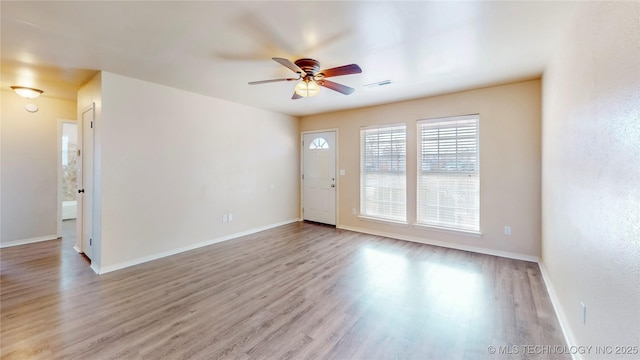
{"x":318,"y":144}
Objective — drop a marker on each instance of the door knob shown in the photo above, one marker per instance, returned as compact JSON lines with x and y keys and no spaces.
{"x":333,"y":185}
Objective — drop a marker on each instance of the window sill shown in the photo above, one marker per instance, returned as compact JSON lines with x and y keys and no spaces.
{"x":469,"y":233}
{"x":383,"y":221}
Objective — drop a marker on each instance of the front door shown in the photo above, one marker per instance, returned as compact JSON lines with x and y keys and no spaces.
{"x":319,"y":177}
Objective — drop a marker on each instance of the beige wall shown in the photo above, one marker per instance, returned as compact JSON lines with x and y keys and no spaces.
{"x":509,"y":165}
{"x":29,"y":167}
{"x":591,"y":175}
{"x":173,"y":162}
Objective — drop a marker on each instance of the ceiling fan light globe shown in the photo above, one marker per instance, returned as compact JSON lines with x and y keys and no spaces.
{"x":313,"y":88}
{"x":307,"y":88}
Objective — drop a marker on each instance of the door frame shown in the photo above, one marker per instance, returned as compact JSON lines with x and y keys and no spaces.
{"x":59,"y":167}
{"x":79,"y":246}
{"x":337,"y":172}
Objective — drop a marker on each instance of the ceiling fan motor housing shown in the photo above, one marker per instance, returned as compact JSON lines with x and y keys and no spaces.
{"x":309,"y":66}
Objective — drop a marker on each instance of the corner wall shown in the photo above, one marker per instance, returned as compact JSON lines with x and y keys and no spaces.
{"x":510,"y":118}
{"x":591,"y":176}
{"x":174,"y":162}
{"x":29,"y":169}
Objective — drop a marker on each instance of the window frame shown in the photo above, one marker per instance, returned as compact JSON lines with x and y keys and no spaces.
{"x":363,"y":214}
{"x":448,"y":227}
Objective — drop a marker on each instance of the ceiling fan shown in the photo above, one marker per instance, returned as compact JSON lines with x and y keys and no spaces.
{"x":312,"y":77}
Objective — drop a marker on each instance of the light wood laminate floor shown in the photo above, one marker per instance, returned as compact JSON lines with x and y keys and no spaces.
{"x":299,"y":291}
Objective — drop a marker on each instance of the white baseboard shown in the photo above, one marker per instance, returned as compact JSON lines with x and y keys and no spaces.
{"x":475,"y":249}
{"x":95,"y":268}
{"x":144,"y":259}
{"x":28,"y":241}
{"x":560,"y":314}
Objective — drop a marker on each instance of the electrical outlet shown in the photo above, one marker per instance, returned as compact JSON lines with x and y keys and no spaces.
{"x":225,"y":218}
{"x":583,"y":312}
{"x":354,"y":211}
{"x":507,"y":230}
{"x":230,"y":217}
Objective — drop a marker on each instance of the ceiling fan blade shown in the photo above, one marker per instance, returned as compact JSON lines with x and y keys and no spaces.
{"x":341,"y":70}
{"x":336,"y":87}
{"x":289,"y":64}
{"x":296,"y":96}
{"x":270,"y":81}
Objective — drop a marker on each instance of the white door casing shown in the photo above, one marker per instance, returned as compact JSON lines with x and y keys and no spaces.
{"x":319,"y":177}
{"x":85,"y":195}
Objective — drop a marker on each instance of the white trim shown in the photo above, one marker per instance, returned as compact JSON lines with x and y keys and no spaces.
{"x":29,"y":240}
{"x":452,"y":118}
{"x":383,"y":221}
{"x":469,"y":233}
{"x":144,"y":259}
{"x":382,"y":126}
{"x":95,"y":268}
{"x":478,"y":154}
{"x":560,"y":314}
{"x":362,"y":174}
{"x":475,"y":249}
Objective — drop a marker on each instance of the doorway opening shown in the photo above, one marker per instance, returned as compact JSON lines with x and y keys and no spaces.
{"x":67,"y":174}
{"x":69,"y":163}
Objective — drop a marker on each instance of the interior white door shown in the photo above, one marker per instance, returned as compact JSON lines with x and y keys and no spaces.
{"x":319,"y":177}
{"x":86,"y":191}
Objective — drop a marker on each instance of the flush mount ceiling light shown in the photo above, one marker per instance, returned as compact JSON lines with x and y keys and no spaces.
{"x":27,"y":92}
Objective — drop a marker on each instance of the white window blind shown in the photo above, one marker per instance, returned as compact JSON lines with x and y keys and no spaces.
{"x":448,"y":173}
{"x":383,"y":162}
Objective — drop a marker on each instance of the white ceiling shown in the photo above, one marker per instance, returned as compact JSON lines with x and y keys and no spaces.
{"x":214,"y":48}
